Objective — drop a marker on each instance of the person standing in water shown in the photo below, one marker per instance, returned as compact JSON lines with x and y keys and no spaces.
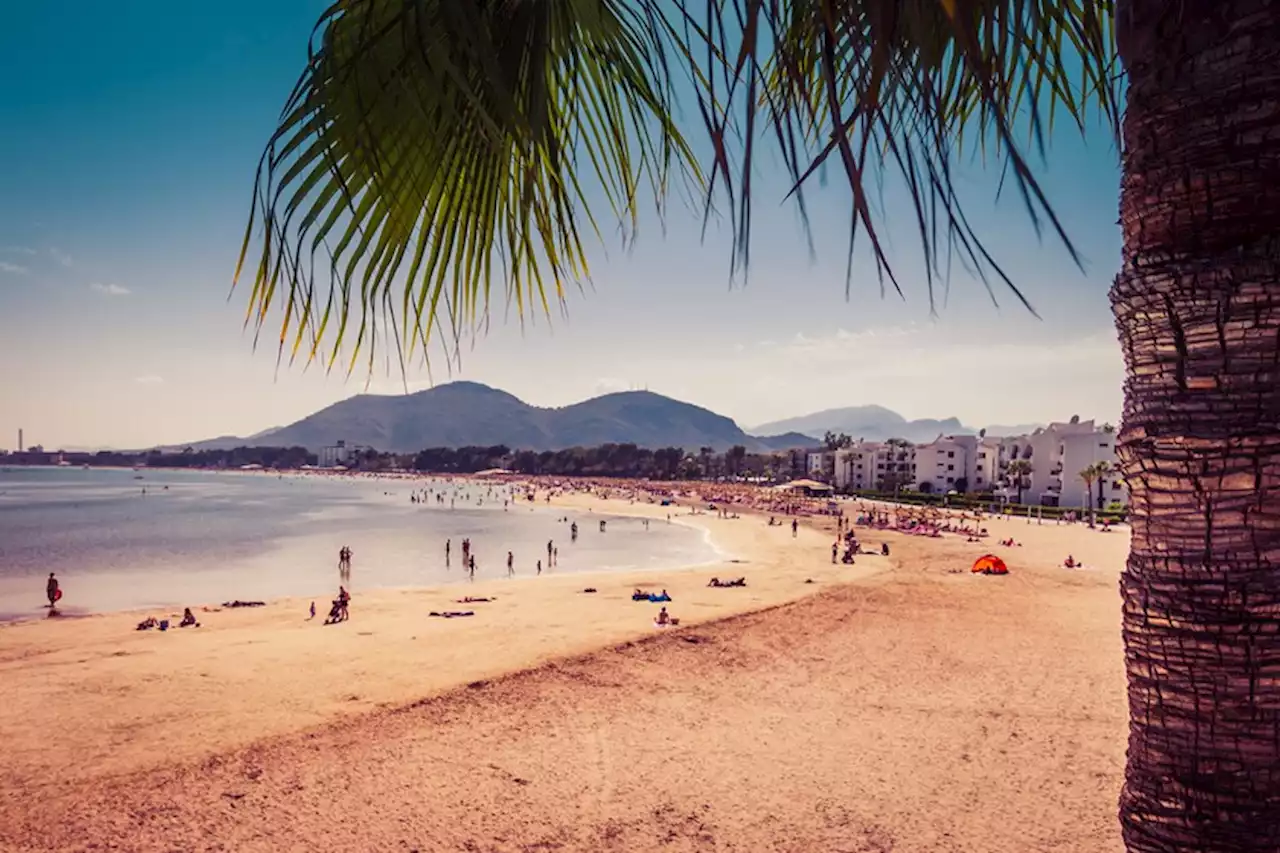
{"x":550,"y":548}
{"x":448,"y":545}
{"x":52,"y":591}
{"x":511,"y":564}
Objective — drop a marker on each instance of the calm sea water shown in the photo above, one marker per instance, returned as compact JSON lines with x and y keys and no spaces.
{"x":199,"y":537}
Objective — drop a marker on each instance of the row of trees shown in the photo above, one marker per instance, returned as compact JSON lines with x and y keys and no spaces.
{"x":613,"y":460}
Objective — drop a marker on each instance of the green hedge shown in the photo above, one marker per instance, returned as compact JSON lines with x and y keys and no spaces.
{"x":1114,"y":512}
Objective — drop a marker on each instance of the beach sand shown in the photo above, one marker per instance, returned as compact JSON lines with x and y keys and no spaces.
{"x":893,"y":705}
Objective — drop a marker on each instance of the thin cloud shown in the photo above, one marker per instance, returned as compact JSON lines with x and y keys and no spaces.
{"x":109,"y":289}
{"x":149,"y":380}
{"x":5,"y":266}
{"x":611,"y":385}
{"x":61,"y":257}
{"x":17,"y":250}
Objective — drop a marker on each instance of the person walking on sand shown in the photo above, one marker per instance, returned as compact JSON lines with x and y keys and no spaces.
{"x":471,"y":566}
{"x":511,"y":564}
{"x":549,"y":549}
{"x":448,"y":546}
{"x":52,"y":591}
{"x":539,"y":567}
{"x":795,"y":525}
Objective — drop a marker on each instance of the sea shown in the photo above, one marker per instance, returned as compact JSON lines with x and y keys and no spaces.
{"x":120,"y":539}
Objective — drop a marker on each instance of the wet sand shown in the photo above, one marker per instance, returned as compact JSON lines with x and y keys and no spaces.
{"x":898,"y":704}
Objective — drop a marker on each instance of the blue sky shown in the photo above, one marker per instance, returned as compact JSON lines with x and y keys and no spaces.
{"x":130,"y":136}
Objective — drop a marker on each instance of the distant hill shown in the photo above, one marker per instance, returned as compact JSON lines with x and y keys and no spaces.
{"x":468,"y":413}
{"x":876,"y":423}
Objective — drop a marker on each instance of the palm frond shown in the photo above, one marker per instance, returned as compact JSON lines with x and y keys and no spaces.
{"x":433,"y":147}
{"x":900,"y":86}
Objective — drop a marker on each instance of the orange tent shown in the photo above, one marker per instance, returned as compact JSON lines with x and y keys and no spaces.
{"x":990,"y":564}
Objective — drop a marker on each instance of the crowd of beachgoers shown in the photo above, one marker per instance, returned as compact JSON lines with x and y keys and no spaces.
{"x":780,"y":505}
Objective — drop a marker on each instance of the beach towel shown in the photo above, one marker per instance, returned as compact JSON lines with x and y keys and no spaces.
{"x":659,"y":598}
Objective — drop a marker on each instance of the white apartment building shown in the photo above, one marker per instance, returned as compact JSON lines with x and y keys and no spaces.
{"x":970,"y":463}
{"x":855,"y":466}
{"x":875,"y":465}
{"x":942,"y":466}
{"x":1057,"y":454}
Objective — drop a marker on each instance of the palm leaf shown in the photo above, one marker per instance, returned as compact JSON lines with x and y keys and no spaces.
{"x":427,"y":142}
{"x":434,"y":148}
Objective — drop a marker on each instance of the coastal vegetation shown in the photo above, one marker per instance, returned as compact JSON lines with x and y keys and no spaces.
{"x":435,"y":154}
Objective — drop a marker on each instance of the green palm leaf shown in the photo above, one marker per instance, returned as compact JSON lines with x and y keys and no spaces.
{"x":435,"y":148}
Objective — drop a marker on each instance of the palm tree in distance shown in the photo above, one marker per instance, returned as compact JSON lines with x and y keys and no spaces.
{"x":1090,"y":475}
{"x":1103,"y":470}
{"x":433,"y":148}
{"x":1016,"y":474}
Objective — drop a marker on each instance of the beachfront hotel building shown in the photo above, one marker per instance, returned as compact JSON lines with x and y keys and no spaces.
{"x":969,"y":463}
{"x":1057,"y":454}
{"x":874,"y":465}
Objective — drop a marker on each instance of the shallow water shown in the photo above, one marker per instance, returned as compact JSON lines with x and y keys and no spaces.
{"x":199,"y":537}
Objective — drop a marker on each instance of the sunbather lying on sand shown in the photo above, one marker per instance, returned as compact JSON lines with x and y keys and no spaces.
{"x":452,"y":614}
{"x":188,"y":618}
{"x":466,"y":599}
{"x":719,"y":583}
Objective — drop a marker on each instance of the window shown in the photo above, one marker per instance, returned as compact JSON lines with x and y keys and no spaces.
{"x":951,"y":468}
{"x":951,"y":454}
{"x":950,"y":480}
{"x":1115,"y":486}
{"x":982,"y":455}
{"x":1103,"y":444}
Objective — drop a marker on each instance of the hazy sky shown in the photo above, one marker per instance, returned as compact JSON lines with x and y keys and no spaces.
{"x":130,"y":136}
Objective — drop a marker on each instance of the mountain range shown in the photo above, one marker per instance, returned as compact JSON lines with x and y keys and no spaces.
{"x":468,"y":413}
{"x":876,"y":423}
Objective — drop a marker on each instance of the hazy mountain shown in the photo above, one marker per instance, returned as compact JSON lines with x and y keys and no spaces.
{"x":787,"y":441}
{"x":876,"y":423}
{"x":467,"y":413}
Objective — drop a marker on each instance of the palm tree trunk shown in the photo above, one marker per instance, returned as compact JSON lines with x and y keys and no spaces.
{"x":1197,"y":307}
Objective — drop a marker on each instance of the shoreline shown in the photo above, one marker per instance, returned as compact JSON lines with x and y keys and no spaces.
{"x":613,"y":510}
{"x":261,"y":672}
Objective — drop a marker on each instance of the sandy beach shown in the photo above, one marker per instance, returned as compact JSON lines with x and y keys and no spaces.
{"x":899,"y":704}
